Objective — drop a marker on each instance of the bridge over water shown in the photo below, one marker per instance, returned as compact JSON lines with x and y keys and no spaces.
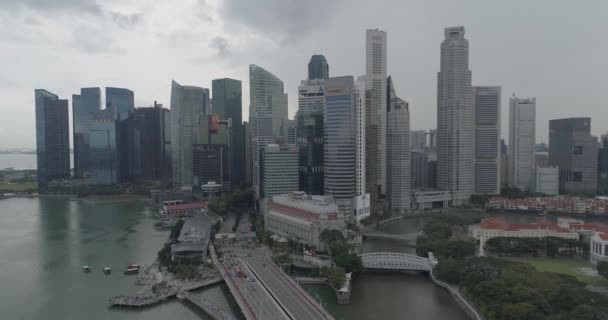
{"x":410,"y":238}
{"x":395,"y":261}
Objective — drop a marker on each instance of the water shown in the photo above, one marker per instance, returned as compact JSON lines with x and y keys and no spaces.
{"x":18,"y":161}
{"x":45,"y":242}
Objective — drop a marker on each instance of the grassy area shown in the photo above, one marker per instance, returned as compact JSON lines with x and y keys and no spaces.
{"x":18,"y":187}
{"x":565,"y":266}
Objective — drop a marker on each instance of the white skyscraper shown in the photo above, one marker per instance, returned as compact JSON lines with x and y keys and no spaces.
{"x":487,"y":140}
{"x":455,"y":138}
{"x":522,"y":137}
{"x":361,"y":201}
{"x":375,"y":62}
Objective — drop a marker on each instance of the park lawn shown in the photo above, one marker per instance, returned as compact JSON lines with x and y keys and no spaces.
{"x":18,"y":187}
{"x":564,"y":266}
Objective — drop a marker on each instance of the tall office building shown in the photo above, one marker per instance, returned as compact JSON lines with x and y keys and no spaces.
{"x":419,"y":169}
{"x":398,"y":156}
{"x":361,"y":203}
{"x":266,"y":90}
{"x":371,"y":149}
{"x":279,"y":169}
{"x":340,"y":141}
{"x":261,"y":136}
{"x":292,"y":131}
{"x":504,"y":163}
{"x":455,"y":138}
{"x":318,"y":68}
{"x":602,"y":166}
{"x":487,"y":140}
{"x":418,"y":139}
{"x":309,"y":122}
{"x":228,"y":103}
{"x":248,"y":156}
{"x":573,"y":149}
{"x":122,"y":100}
{"x":522,"y":137}
{"x":84,"y":108}
{"x":104,"y":162}
{"x":375,"y":48}
{"x":187,"y":103}
{"x":52,"y":137}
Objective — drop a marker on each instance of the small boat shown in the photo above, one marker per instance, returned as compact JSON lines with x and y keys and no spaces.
{"x":132,"y":269}
{"x":107,"y":270}
{"x":86,"y":268}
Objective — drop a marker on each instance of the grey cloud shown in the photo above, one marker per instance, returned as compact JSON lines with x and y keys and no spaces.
{"x":221,"y":45}
{"x":285,"y":19}
{"x":48,"y":6}
{"x":94,"y":40}
{"x":126,"y":20}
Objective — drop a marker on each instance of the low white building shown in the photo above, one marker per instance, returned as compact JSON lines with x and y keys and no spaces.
{"x":424,"y":199}
{"x":361,"y":207}
{"x":303,"y":217}
{"x":547,"y":181}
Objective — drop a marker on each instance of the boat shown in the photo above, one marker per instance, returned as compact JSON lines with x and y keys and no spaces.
{"x":86,"y":268}
{"x":132,"y":269}
{"x":165,"y":224}
{"x":107,"y":270}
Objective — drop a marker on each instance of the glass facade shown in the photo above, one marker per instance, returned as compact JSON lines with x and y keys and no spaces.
{"x":84,"y":108}
{"x":122,"y":100}
{"x":310,"y":144}
{"x":318,"y":68}
{"x":227,"y":102}
{"x":103,"y":164}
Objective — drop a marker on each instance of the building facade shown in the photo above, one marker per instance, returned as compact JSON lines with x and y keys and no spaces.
{"x":211,"y":163}
{"x":375,"y":74}
{"x":419,"y":170}
{"x":309,"y":122}
{"x":187,"y":103}
{"x":84,"y":108}
{"x":123,"y":101}
{"x":398,"y":158}
{"x":104,"y":167}
{"x":52,"y":137}
{"x":261,"y":132}
{"x":318,"y":68}
{"x":522,"y":138}
{"x":573,"y":149}
{"x":487,"y":139}
{"x":455,"y":134}
{"x":266,"y":91}
{"x":228,"y":103}
{"x":279,"y":169}
{"x":303,"y":217}
{"x":546,"y":180}
{"x":340,"y":141}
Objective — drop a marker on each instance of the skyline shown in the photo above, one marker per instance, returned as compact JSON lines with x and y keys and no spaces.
{"x":523,"y":52}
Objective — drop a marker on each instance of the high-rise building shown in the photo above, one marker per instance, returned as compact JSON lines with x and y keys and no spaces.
{"x":227,"y":102}
{"x":487,"y":139}
{"x":360,"y":108}
{"x":371,"y":150}
{"x":122,"y":100}
{"x":292,"y":131}
{"x":418,"y":139}
{"x":52,"y":137}
{"x":398,"y":184}
{"x":261,"y":133}
{"x":187,"y":103}
{"x":573,"y":149}
{"x":84,"y":108}
{"x":504,"y":163}
{"x":522,"y":137}
{"x":546,"y":180}
{"x":340,"y":141}
{"x":455,"y":138}
{"x":103,"y":165}
{"x":318,"y":67}
{"x":266,"y":90}
{"x":419,"y":169}
{"x":309,"y":121}
{"x":602,"y":166}
{"x":279,"y":169}
{"x":248,"y":156}
{"x":211,"y":163}
{"x":375,"y":62}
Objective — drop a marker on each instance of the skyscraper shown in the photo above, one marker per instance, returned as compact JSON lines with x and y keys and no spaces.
{"x":279,"y":169}
{"x":266,"y":90}
{"x":122,"y":100}
{"x":455,"y":118}
{"x":487,"y":140}
{"x":573,"y":149}
{"x":52,"y":137}
{"x":309,"y":122}
{"x":187,"y":103}
{"x":418,"y":139}
{"x":522,"y":137}
{"x":103,"y":166}
{"x":398,"y":156}
{"x":375,"y":49}
{"x":340,"y":141}
{"x":227,"y":102}
{"x":361,"y":203}
{"x":318,"y":67}
{"x":261,"y":136}
{"x":84,"y":108}
{"x":248,"y":149}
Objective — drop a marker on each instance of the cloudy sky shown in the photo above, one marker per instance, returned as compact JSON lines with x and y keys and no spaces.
{"x":554,"y":50}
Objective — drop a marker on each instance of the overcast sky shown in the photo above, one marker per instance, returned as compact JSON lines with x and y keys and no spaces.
{"x":553,"y":50}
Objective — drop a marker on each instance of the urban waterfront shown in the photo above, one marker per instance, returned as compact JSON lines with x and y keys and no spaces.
{"x":18,"y":161}
{"x":44,"y":242}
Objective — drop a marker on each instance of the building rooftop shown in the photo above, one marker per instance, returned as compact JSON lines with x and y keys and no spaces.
{"x":303,"y":206}
{"x":188,"y":206}
{"x":499,"y":224}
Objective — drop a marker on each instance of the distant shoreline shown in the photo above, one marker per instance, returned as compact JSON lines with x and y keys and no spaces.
{"x":95,"y":199}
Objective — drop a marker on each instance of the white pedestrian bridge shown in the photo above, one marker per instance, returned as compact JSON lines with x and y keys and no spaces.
{"x":394,"y":261}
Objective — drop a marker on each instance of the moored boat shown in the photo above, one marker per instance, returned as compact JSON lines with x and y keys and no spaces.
{"x":86,"y":268}
{"x":132,"y":269}
{"x":107,"y":270}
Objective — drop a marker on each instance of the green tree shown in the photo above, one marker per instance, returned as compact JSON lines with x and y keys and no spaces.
{"x":337,"y":277}
{"x":602,"y":268}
